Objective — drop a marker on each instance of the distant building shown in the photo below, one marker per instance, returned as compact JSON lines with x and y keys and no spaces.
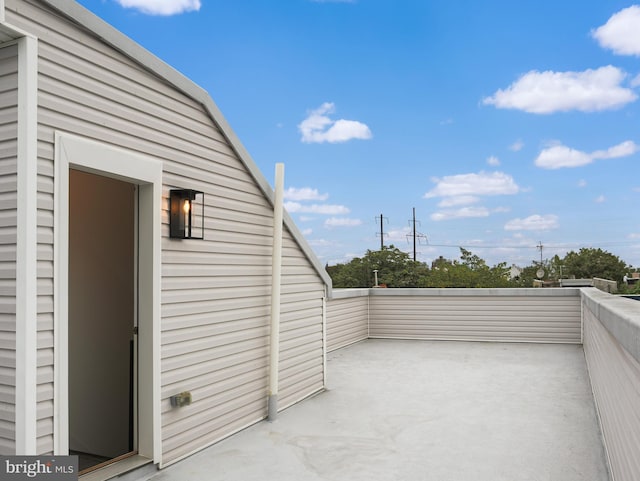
{"x":633,"y":280}
{"x":515,"y":272}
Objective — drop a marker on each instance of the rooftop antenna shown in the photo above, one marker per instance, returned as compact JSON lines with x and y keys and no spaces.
{"x":381,"y":233}
{"x":415,"y":234}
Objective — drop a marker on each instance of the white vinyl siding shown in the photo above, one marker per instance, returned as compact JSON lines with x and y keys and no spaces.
{"x":8,"y":225}
{"x":347,"y":318}
{"x":615,"y":378}
{"x":215,"y":293}
{"x":45,"y":390}
{"x":301,"y":335}
{"x":458,"y":314}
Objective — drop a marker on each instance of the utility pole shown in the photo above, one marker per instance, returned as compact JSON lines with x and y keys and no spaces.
{"x":415,"y":234}
{"x":540,"y":247}
{"x":382,"y":218}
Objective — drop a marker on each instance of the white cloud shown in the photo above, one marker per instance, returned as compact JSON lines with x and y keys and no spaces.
{"x":397,"y":235}
{"x":582,"y":183}
{"x":327,"y":209}
{"x":464,"y":212}
{"x":559,"y":156}
{"x":319,"y":128}
{"x":458,"y":200}
{"x":516,"y":146}
{"x":621,"y":33}
{"x":635,"y":82}
{"x":305,"y":193}
{"x":493,"y":161}
{"x":623,"y":149}
{"x":342,"y":222}
{"x":162,"y":7}
{"x":466,"y":189}
{"x":482,"y":183}
{"x":547,"y":92}
{"x":307,"y":232}
{"x":321,"y":243}
{"x":533,"y":222}
{"x":600,"y":199}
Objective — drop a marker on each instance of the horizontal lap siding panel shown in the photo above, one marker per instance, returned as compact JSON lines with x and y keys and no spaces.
{"x":226,"y":345}
{"x":45,"y":441}
{"x":227,"y":362}
{"x":227,"y":418}
{"x":8,"y":224}
{"x":487,"y":318}
{"x":301,"y":370}
{"x":347,"y":321}
{"x":249,"y":314}
{"x":211,"y":282}
{"x":615,"y":380}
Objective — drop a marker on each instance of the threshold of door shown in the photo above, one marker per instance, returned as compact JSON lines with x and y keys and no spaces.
{"x":118,"y":468}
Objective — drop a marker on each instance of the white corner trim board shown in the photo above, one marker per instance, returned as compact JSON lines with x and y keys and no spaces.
{"x":26,"y":249}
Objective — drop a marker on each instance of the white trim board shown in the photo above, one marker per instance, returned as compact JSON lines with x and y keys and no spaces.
{"x":26,"y":250}
{"x":76,"y":152}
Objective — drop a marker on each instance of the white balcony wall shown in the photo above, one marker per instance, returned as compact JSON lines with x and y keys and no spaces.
{"x":509,"y":315}
{"x":348,"y":315}
{"x":612,"y":350}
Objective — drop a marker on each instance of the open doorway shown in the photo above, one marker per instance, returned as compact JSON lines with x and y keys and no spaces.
{"x":102,"y":318}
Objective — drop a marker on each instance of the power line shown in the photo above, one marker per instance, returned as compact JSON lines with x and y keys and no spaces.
{"x":550,"y":246}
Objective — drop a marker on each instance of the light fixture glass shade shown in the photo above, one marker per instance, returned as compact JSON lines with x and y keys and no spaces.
{"x":186,"y":214}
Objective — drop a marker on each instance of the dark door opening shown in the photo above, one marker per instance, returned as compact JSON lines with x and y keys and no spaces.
{"x":101,"y":318}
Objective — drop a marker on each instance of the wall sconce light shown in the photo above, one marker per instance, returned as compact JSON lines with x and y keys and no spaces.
{"x":186,"y":214}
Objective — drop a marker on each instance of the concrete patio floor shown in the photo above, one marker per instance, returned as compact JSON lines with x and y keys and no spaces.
{"x":432,"y":411}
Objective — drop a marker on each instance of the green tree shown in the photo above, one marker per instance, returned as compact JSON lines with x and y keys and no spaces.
{"x":444,"y":273}
{"x":589,"y":262}
{"x":395,"y":269}
{"x":470,"y":271}
{"x":352,"y":274}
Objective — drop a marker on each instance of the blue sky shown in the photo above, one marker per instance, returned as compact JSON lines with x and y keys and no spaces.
{"x":504,"y":124}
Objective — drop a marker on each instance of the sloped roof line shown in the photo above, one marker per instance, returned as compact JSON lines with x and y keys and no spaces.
{"x":151,"y":62}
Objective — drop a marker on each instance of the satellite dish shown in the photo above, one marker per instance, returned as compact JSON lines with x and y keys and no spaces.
{"x":540,"y":273}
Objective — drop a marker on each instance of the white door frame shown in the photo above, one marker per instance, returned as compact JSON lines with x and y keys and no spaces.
{"x":72,"y":151}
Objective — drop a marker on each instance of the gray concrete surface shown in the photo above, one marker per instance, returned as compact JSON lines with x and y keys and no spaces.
{"x":432,"y":411}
